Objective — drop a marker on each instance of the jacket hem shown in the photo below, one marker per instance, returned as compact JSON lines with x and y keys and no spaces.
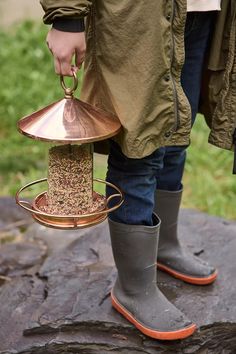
{"x":149,"y":148}
{"x":220,"y":141}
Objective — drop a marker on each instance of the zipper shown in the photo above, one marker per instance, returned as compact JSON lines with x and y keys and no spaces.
{"x":234,"y":142}
{"x":176,"y":102}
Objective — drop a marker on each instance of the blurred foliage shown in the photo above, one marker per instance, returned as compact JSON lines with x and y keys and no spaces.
{"x":209,"y":183}
{"x":28,"y":82}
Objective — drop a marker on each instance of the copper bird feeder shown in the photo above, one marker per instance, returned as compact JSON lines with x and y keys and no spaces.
{"x":73,"y":125}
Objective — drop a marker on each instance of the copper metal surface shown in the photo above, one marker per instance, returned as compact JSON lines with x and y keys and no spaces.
{"x":68,"y":221}
{"x":69,"y":121}
{"x":68,"y":90}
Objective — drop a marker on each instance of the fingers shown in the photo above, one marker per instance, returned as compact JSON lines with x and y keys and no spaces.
{"x":74,"y":69}
{"x":64,"y":67}
{"x":79,"y":58}
{"x":57,"y":66}
{"x":64,"y":46}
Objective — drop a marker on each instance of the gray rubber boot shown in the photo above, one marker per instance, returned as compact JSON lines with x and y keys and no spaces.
{"x":135,"y":294}
{"x":172,"y":257}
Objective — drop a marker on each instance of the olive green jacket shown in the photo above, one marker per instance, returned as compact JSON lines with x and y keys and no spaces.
{"x":135,"y":53}
{"x":219,"y":80}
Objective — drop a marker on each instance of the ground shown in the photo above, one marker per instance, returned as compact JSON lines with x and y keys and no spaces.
{"x":56,"y":285}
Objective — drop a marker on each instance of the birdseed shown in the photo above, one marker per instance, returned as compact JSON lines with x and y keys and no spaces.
{"x":70,"y":180}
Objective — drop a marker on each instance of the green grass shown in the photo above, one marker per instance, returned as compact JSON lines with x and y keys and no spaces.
{"x":28,"y":82}
{"x":209,"y":183}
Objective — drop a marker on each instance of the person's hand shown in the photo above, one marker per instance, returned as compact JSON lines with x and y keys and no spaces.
{"x":63,"y":46}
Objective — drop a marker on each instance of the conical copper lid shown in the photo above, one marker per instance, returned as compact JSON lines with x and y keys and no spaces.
{"x":69,"y":121}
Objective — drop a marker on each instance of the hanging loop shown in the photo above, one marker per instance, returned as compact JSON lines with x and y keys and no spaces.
{"x":68,"y":90}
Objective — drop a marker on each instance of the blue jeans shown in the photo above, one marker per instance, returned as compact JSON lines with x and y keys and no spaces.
{"x":163,"y":169}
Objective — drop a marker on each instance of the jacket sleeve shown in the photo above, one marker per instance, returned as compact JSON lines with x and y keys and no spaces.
{"x":58,"y":9}
{"x":68,"y":24}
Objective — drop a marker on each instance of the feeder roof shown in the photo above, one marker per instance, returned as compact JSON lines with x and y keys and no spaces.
{"x":70,"y":120}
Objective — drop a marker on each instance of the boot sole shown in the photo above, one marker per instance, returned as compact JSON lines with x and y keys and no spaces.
{"x":173,"y":335}
{"x":187,"y":278}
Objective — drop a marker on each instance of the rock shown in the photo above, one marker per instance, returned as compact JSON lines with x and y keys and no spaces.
{"x":63,"y":305}
{"x":13,"y":220}
{"x":10,"y":212}
{"x":16,"y":258}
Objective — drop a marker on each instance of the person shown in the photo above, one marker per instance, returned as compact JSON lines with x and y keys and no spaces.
{"x":151,"y":64}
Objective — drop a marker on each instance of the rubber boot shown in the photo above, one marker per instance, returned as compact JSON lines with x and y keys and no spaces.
{"x":135,"y":294}
{"x":172,"y":257}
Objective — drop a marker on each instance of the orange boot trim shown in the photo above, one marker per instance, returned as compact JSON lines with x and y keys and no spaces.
{"x":172,"y":335}
{"x":187,"y":278}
